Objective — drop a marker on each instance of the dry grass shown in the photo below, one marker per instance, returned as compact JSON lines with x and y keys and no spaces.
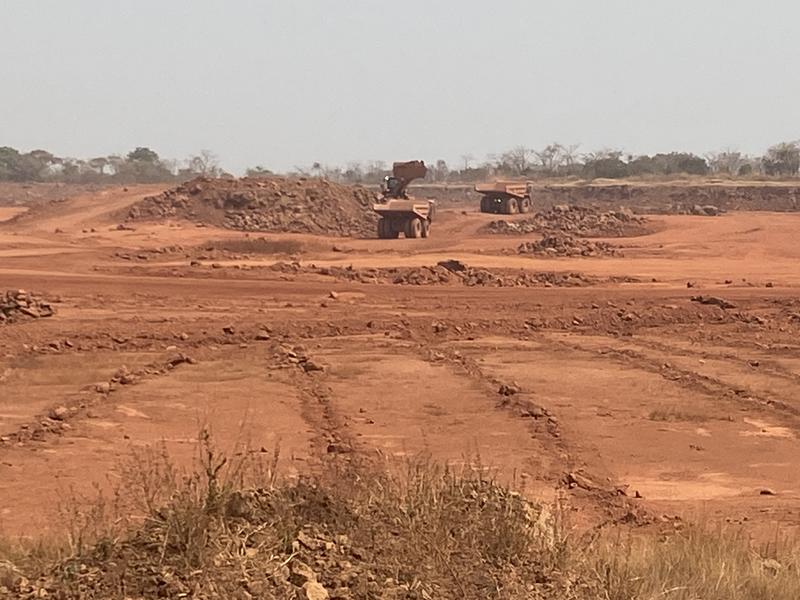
{"x":698,"y":564}
{"x":231,"y":529}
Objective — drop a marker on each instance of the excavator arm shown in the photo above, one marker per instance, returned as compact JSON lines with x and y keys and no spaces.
{"x":403,"y":173}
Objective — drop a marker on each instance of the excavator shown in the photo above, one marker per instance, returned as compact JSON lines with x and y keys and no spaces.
{"x":400,"y":213}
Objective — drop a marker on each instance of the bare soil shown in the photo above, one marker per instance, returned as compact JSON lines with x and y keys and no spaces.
{"x":635,"y":403}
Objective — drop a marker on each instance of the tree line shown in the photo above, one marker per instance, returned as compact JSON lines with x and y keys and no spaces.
{"x":559,"y":160}
{"x":144,"y":165}
{"x":140,"y":165}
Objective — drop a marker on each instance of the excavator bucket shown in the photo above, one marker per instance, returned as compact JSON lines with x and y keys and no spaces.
{"x":408,"y":171}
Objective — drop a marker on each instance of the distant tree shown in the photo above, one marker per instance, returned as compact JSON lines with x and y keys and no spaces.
{"x":440,"y":171}
{"x":100,"y":163}
{"x":604,"y":164}
{"x":9,"y":163}
{"x":571,"y":164}
{"x":354,"y":172}
{"x":783,"y":159}
{"x":550,"y":158}
{"x":143,"y":165}
{"x":259,"y":171}
{"x":680,"y":162}
{"x":206,"y":164}
{"x":16,"y":166}
{"x":467,"y":160}
{"x":727,"y":161}
{"x":516,"y":161}
{"x":143,"y":154}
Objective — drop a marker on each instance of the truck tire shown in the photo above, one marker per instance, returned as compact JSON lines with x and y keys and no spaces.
{"x":426,"y":228}
{"x":510,"y":206}
{"x":413,"y":228}
{"x":382,"y":229}
{"x":486,"y":204}
{"x":525,"y":205}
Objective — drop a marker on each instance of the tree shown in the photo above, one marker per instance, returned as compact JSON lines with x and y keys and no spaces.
{"x":680,"y":162}
{"x":516,"y":161}
{"x":258,"y":171}
{"x":783,"y":159}
{"x":100,"y":163}
{"x":205,"y":164}
{"x":16,"y":166}
{"x":9,"y":163}
{"x":143,"y":154}
{"x":729,"y":162}
{"x":143,"y":165}
{"x":605,"y":164}
{"x":551,"y":158}
{"x":467,"y":159}
{"x":440,"y":171}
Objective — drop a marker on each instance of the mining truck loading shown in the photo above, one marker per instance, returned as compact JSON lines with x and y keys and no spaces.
{"x":400,"y":213}
{"x":504,"y":198}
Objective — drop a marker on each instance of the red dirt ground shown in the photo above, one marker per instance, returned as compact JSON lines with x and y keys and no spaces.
{"x":635,"y":404}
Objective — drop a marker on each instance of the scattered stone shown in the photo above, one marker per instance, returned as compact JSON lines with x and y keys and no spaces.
{"x":713,"y":300}
{"x":309,"y":366}
{"x":16,"y":305}
{"x":706,"y":210}
{"x":454,"y":266}
{"x":313,"y":590}
{"x":509,"y":389}
{"x":582,"y":221}
{"x":562,"y":244}
{"x":59,"y":413}
{"x":300,"y":573}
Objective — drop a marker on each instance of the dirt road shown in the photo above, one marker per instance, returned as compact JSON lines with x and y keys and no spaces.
{"x":632,"y":401}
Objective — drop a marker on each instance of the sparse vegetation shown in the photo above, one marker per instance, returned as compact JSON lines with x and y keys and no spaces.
{"x":231,"y":529}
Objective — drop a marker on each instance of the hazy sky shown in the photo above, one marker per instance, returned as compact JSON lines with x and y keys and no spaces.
{"x":284,"y":83}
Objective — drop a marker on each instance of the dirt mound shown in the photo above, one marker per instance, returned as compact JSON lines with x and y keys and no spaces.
{"x":561,"y":244}
{"x":583,"y":221}
{"x":17,"y":305}
{"x":451,"y":272}
{"x":276,"y":204}
{"x":434,"y":534}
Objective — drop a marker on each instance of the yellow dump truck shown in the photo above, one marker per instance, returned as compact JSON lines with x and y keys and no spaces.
{"x":400,"y":213}
{"x":505,"y":198}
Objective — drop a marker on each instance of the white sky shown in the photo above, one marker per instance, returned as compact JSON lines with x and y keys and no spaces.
{"x":290,"y":82}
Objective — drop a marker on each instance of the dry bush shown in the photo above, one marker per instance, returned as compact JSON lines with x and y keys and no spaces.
{"x":698,"y":564}
{"x":230,"y":528}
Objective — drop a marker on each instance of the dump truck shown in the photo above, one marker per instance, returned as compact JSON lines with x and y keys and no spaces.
{"x":400,"y":213}
{"x":505,"y":198}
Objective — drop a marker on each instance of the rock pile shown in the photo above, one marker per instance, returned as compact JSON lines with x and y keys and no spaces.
{"x":705,"y":210}
{"x":19,"y":304}
{"x":297,"y":356}
{"x":561,"y":244}
{"x":583,"y":221}
{"x":444,"y":273}
{"x":276,"y":204}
